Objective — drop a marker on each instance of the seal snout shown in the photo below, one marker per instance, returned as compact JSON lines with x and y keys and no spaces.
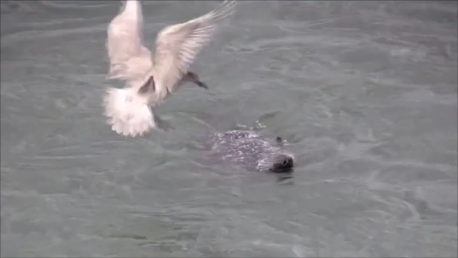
{"x":282,"y":164}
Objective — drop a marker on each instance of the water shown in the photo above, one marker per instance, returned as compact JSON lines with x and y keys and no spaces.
{"x":365,"y":92}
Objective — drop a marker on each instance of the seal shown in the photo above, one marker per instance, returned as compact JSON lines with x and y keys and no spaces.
{"x":251,"y":150}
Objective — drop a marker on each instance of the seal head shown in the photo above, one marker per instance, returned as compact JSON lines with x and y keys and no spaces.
{"x":282,"y":164}
{"x":252,"y":151}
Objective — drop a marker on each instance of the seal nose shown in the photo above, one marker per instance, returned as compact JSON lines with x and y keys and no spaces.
{"x":283,"y":164}
{"x":287,"y":162}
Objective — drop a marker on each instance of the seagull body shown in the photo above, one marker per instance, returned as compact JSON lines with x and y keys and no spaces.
{"x":151,"y":78}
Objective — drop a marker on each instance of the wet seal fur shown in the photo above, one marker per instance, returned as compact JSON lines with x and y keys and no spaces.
{"x":252,"y":151}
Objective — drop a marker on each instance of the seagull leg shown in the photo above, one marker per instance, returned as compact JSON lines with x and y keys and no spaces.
{"x":148,"y":87}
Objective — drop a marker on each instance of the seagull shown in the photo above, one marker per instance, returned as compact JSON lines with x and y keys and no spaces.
{"x":148,"y":78}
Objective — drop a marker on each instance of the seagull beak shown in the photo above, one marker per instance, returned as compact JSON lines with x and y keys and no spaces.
{"x":192,"y":77}
{"x":201,"y":84}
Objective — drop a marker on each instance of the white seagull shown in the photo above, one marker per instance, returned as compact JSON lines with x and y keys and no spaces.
{"x":150,"y":79}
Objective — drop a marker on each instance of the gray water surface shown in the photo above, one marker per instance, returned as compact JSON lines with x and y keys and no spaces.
{"x":365,"y":92}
